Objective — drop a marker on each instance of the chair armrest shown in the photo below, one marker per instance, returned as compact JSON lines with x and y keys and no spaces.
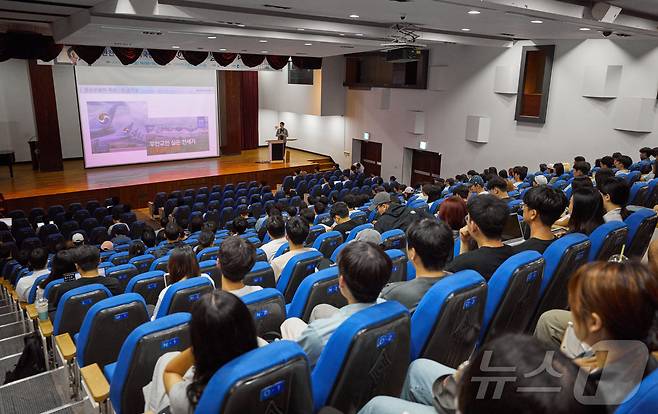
{"x":97,"y":385}
{"x":66,"y":346}
{"x":31,"y":311}
{"x":46,"y":328}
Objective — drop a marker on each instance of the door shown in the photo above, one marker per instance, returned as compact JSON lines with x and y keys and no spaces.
{"x":371,"y":157}
{"x":425,"y":167}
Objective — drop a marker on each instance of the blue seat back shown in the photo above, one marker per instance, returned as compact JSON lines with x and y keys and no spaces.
{"x":209,"y":253}
{"x":356,"y":230}
{"x":607,"y":240}
{"x":73,"y":306}
{"x":119,"y":258}
{"x":326,"y":243}
{"x":644,"y":397}
{"x":641,"y":225}
{"x":320,"y":287}
{"x":394,"y":239}
{"x":313,"y":234}
{"x":446,"y":323}
{"x":181,"y":295}
{"x":359,"y":217}
{"x":148,"y":285}
{"x":284,"y":248}
{"x":261,"y":274}
{"x":295,"y":271}
{"x":107,"y":324}
{"x":512,"y":295}
{"x":272,"y":379}
{"x":367,"y":355}
{"x":160,"y":263}
{"x":32,"y":296}
{"x":143,"y":262}
{"x":334,"y":255}
{"x":139,"y":353}
{"x":399,"y":270}
{"x":633,"y":198}
{"x":210,"y":268}
{"x":123,"y":273}
{"x":268,"y":310}
{"x":49,"y":288}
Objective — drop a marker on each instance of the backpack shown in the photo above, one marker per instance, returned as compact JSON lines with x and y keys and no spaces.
{"x":31,"y":362}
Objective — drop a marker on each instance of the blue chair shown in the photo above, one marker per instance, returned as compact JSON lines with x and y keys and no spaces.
{"x":320,"y":218}
{"x":394,"y":239}
{"x":272,"y":379}
{"x":356,"y":230}
{"x":209,"y":267}
{"x":320,"y":287}
{"x":328,"y":242}
{"x":607,"y":240}
{"x":399,"y":271}
{"x":138,"y":355}
{"x":261,"y":274}
{"x":367,"y":355}
{"x":334,"y":255}
{"x":651,"y":195}
{"x":434,"y":207}
{"x":446,"y":323}
{"x":632,"y":177}
{"x":359,"y":217}
{"x":119,"y":258}
{"x":32,"y":296}
{"x":641,"y":225}
{"x":637,"y":193}
{"x":160,"y":264}
{"x":644,"y":397}
{"x":295,"y":271}
{"x":284,"y":248}
{"x":105,"y":327}
{"x":209,"y":253}
{"x":73,"y":306}
{"x":563,"y":257}
{"x":123,"y":273}
{"x":49,"y":289}
{"x":143,"y":262}
{"x":512,"y":295}
{"x":268,"y":310}
{"x":261,"y":256}
{"x":148,"y":285}
{"x":313,"y":233}
{"x":181,"y":295}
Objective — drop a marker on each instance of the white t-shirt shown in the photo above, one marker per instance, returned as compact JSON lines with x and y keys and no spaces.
{"x":25,"y":284}
{"x":280,"y":262}
{"x":245,"y":290}
{"x":270,"y":248}
{"x":163,"y":291}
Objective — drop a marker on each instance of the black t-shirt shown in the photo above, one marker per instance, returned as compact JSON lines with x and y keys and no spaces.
{"x":345,"y":228}
{"x":484,"y":260}
{"x":110,"y":283}
{"x":533,"y":244}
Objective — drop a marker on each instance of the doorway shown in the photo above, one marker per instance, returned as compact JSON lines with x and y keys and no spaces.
{"x":369,"y":154}
{"x":425,"y":167}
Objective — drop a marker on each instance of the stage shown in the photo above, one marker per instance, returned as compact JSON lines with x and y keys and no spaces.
{"x":138,"y":184}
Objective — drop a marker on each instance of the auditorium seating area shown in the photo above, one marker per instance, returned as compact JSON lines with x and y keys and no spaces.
{"x":105,"y":363}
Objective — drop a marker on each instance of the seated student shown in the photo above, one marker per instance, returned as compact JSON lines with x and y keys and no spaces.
{"x":352,"y":202}
{"x":276,"y":228}
{"x":453,"y":212}
{"x":462,"y":192}
{"x":86,"y":259}
{"x":648,"y":171}
{"x":585,"y":211}
{"x":486,"y":219}
{"x":481,"y":387}
{"x":182,"y":265}
{"x":539,"y":180}
{"x":607,"y":162}
{"x":476,"y":185}
{"x":429,"y":246}
{"x":542,"y":206}
{"x":116,"y":221}
{"x":173,"y":234}
{"x":296,"y":234}
{"x":602,"y":176}
{"x":206,"y":239}
{"x":239,"y":226}
{"x":392,"y":215}
{"x":62,"y":266}
{"x":581,"y":169}
{"x":120,"y":234}
{"x":195,"y":224}
{"x":498,"y":187}
{"x":519,"y":175}
{"x":307,"y":214}
{"x":622,"y":164}
{"x":364,"y":269}
{"x":235,"y":259}
{"x":221,"y":330}
{"x":580,"y":182}
{"x":434,"y":193}
{"x":342,"y":222}
{"x":38,"y":265}
{"x":137,"y":248}
{"x":148,"y":236}
{"x":558,"y":170}
{"x":615,"y":193}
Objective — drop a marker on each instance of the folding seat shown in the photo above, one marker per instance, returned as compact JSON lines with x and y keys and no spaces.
{"x":15,"y":214}
{"x":53,"y":210}
{"x":129,"y":217}
{"x":367,"y":355}
{"x":287,"y":183}
{"x":284,"y":248}
{"x":313,"y":234}
{"x":322,"y":218}
{"x":348,"y":184}
{"x":209,"y":267}
{"x":20,"y":223}
{"x":261,"y":256}
{"x":201,"y":198}
{"x":338,"y":186}
{"x":632,"y":177}
{"x":119,"y":258}
{"x":563,"y":257}
{"x":216,"y":189}
{"x":446,"y":323}
{"x":81,"y":215}
{"x":267,"y":197}
{"x":73,"y":307}
{"x":356,"y":230}
{"x":89,"y":224}
{"x":644,"y":398}
{"x":209,"y":253}
{"x":229,"y":194}
{"x":181,"y":295}
{"x":186,"y":201}
{"x":268,"y":310}
{"x":6,"y":236}
{"x":359,"y":217}
{"x":138,"y":356}
{"x":334,"y":255}
{"x":512,"y":295}
{"x":107,"y":221}
{"x":261,"y":274}
{"x":328,"y":242}
{"x":100,"y":213}
{"x":256,"y":210}
{"x":160,"y":263}
{"x":515,"y":205}
{"x":98,"y":235}
{"x":123,"y":273}
{"x":73,"y":207}
{"x":32,"y":296}
{"x":637,"y":193}
{"x":183,"y":212}
{"x":106,"y":326}
{"x":169,"y":206}
{"x":30,"y":243}
{"x":399,"y":271}
{"x":266,"y":189}
{"x":68,"y":228}
{"x":641,"y":225}
{"x":53,"y":240}
{"x":190,"y":192}
{"x":607,"y":240}
{"x":295,"y":271}
{"x":59,"y":218}
{"x":342,"y":193}
{"x":253,"y":198}
{"x":198,"y":207}
{"x":23,"y":233}
{"x":394,"y":239}
{"x":203,"y":190}
{"x":225,"y":216}
{"x":319,"y":287}
{"x":215,"y":197}
{"x":142,"y":263}
{"x":92,"y":205}
{"x":148,"y":285}
{"x":651,"y":195}
{"x":37,"y":214}
{"x":242,"y":192}
{"x":301,"y":187}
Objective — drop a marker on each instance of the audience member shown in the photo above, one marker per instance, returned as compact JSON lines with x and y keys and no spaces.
{"x":116,"y":221}
{"x":342,"y":222}
{"x":206,"y":239}
{"x":461,"y":191}
{"x":38,"y":265}
{"x":585,"y":211}
{"x":195,"y":224}
{"x":173,"y":234}
{"x":391,"y":215}
{"x":622,"y":164}
{"x":308,"y":215}
{"x":646,"y":153}
{"x":235,"y":259}
{"x":296,"y":234}
{"x":539,"y":180}
{"x":498,"y":187}
{"x":276,"y":228}
{"x":148,"y":236}
{"x":519,"y":175}
{"x":615,"y":193}
{"x":542,"y":206}
{"x":137,"y":248}
{"x":476,"y":185}
{"x":61,"y":267}
{"x":581,"y":169}
{"x":239,"y":226}
{"x":453,"y":212}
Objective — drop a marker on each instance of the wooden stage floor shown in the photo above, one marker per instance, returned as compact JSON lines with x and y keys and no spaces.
{"x":137,"y":184}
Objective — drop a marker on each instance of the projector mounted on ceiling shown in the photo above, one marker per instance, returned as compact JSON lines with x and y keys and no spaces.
{"x":402,"y":47}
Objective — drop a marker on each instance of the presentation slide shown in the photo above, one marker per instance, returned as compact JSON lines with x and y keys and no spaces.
{"x":140,"y":115}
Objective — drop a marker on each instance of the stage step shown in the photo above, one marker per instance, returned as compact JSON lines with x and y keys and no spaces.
{"x":324,"y":164}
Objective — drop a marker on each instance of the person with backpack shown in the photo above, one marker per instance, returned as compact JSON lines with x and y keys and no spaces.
{"x":392,"y":215}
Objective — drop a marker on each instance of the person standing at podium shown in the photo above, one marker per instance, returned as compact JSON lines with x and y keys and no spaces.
{"x":281,"y":131}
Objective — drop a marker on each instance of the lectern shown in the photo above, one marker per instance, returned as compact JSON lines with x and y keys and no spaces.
{"x":277,"y":150}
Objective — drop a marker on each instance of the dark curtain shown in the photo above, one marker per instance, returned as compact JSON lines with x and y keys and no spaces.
{"x":15,"y":45}
{"x":277,"y":62}
{"x":89,"y":54}
{"x":195,"y":58}
{"x":127,"y":55}
{"x":307,"y":62}
{"x":249,"y":108}
{"x":224,"y":59}
{"x":251,"y":61}
{"x":162,"y":56}
{"x":4,"y":48}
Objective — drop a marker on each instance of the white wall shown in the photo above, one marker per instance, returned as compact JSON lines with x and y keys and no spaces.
{"x":574,"y":126}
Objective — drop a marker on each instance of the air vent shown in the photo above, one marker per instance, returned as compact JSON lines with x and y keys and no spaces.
{"x":508,"y":34}
{"x":622,"y":34}
{"x":152,"y":33}
{"x":347,"y":47}
{"x":276,"y":6}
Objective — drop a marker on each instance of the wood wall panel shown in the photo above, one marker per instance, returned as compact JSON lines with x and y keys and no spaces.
{"x":45,"y":115}
{"x":230,"y":111}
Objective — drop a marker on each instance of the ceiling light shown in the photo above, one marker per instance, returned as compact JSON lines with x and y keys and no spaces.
{"x":241,"y":25}
{"x":264,"y":51}
{"x":359,"y":34}
{"x":212,"y":37}
{"x":175,"y":47}
{"x":474,"y":12}
{"x":354,"y":16}
{"x":262,"y":41}
{"x":222,"y":50}
{"x":585,"y":29}
{"x":466,"y":30}
{"x":308,"y":44}
{"x":301,"y":29}
{"x":536,"y":21}
{"x":341,"y":34}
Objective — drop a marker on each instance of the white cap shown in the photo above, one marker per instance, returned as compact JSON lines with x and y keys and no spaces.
{"x":78,"y":238}
{"x":541,"y":180}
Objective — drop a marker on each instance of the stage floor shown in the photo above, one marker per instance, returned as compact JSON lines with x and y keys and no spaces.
{"x":30,"y":186}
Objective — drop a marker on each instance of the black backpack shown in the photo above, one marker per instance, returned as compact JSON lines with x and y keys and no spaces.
{"x":31,"y":361}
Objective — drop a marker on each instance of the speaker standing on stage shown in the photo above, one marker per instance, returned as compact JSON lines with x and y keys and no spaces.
{"x":281,"y":131}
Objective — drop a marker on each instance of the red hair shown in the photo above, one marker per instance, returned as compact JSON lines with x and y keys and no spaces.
{"x":453,"y":212}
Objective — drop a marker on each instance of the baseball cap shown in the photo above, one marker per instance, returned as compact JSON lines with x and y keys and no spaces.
{"x":541,"y":180}
{"x":380,"y":198}
{"x":409,"y":190}
{"x":78,"y":238}
{"x":107,"y":245}
{"x":369,"y":235}
{"x":476,"y":180}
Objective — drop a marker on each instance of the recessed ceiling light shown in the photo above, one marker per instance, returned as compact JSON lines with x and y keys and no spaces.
{"x":301,"y":29}
{"x":359,"y":34}
{"x":222,"y":50}
{"x":175,"y":47}
{"x":241,"y":25}
{"x":474,"y":12}
{"x":262,"y":41}
{"x":308,"y":44}
{"x":212,"y":37}
{"x":466,"y":30}
{"x":354,"y":16}
{"x":536,"y":21}
{"x":585,"y":29}
{"x":264,"y":51}
{"x":341,"y":34}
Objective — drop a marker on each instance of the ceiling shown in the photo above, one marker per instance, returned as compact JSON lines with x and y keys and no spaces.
{"x":317,"y":27}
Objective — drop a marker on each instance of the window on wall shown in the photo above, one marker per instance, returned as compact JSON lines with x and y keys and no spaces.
{"x":298,"y":76}
{"x":534,"y":83}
